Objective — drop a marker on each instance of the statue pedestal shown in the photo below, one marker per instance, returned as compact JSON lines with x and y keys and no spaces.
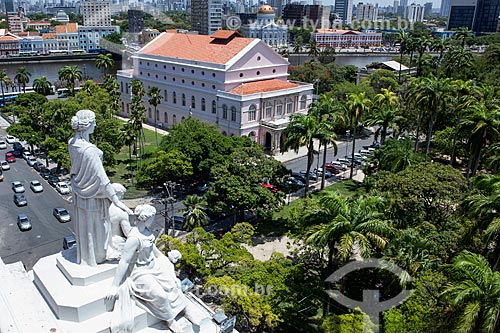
{"x":76,"y":296}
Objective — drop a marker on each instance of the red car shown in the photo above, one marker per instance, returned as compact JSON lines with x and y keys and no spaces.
{"x":9,"y":157}
{"x":333,"y":168}
{"x":271,"y":187}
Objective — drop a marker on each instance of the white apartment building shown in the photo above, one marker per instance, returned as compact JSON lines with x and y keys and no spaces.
{"x":415,"y":13}
{"x":67,"y":35}
{"x":206,"y":16}
{"x":238,"y":84}
{"x":96,"y":13}
{"x":89,"y":37}
{"x":366,"y":12}
{"x":343,"y":9}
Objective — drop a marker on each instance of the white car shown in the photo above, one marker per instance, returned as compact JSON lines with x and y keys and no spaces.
{"x":62,"y":188}
{"x":35,"y":186}
{"x":5,"y":165}
{"x":3,"y":145}
{"x":17,"y":187}
{"x":10,"y":139}
{"x":26,"y":154}
{"x":31,"y":160}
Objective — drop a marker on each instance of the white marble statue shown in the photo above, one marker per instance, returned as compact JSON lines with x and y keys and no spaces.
{"x":151,"y":283}
{"x":92,"y":192}
{"x":119,"y":225}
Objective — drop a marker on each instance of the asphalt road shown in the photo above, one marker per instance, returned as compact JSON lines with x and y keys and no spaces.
{"x":46,"y":236}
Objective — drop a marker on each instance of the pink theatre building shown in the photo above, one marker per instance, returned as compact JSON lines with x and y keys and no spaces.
{"x":238,"y":84}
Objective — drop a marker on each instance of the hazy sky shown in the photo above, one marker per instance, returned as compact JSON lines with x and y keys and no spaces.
{"x":383,"y":3}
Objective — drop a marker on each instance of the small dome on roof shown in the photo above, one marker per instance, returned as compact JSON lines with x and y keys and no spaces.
{"x":266,"y":9}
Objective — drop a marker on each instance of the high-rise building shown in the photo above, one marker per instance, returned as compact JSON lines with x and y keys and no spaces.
{"x":445,"y":8}
{"x":395,"y":6}
{"x":135,"y":21}
{"x":366,"y":12}
{"x":96,"y":13}
{"x":206,"y":16}
{"x":293,"y":14}
{"x":415,"y":13}
{"x":9,"y":6}
{"x":343,"y":8}
{"x":427,"y":9}
{"x":480,"y":16}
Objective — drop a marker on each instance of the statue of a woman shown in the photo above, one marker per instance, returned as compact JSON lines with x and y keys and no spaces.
{"x":92,"y":192}
{"x":151,"y":283}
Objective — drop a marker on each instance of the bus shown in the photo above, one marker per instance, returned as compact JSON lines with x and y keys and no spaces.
{"x":64,"y":92}
{"x":58,"y":51}
{"x":29,"y":53}
{"x":77,"y":52}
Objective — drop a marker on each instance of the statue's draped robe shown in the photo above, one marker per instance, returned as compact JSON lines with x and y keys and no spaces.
{"x":88,"y":182}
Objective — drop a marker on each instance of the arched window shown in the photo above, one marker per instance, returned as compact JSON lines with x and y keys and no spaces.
{"x":224,"y":111}
{"x":174,"y":97}
{"x":224,"y":133}
{"x":203,"y":106}
{"x":165,"y":118}
{"x":165,"y":96}
{"x":123,"y":106}
{"x":149,"y":113}
{"x":233,"y":113}
{"x":289,"y":106}
{"x":252,"y":113}
{"x":251,"y":135}
{"x":279,"y":108}
{"x":174,"y":119}
{"x":157,"y":115}
{"x":268,"y":110}
{"x":128,"y":108}
{"x":214,"y":107}
{"x":303,"y":101}
{"x":183,"y":100}
{"x":193,"y":102}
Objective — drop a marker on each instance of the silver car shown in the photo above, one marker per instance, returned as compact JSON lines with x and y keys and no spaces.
{"x":23,"y":222}
{"x":36,"y":186}
{"x":61,"y":214}
{"x":18,"y":187}
{"x":5,"y":165}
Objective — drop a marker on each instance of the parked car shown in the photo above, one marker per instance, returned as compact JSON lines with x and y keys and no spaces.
{"x":179,"y":223}
{"x":31,"y":160}
{"x":20,"y":200}
{"x":360,"y":156}
{"x":298,"y":176}
{"x":3,"y":145}
{"x":36,"y":186}
{"x":333,"y":168}
{"x":271,"y":187}
{"x":9,"y":157}
{"x":10,"y":139}
{"x":26,"y":154}
{"x":319,"y":172}
{"x":203,"y":188}
{"x":1,"y":176}
{"x":345,"y":162}
{"x":339,"y":165}
{"x":38,"y":166}
{"x":45,"y":173}
{"x":17,"y":153}
{"x":18,"y":187}
{"x":61,"y":214}
{"x":69,"y":241}
{"x":62,"y":188}
{"x":53,"y":180}
{"x":5,"y":165}
{"x":312,"y":175}
{"x":356,"y":160}
{"x":23,"y":222}
{"x":18,"y":146}
{"x":292,"y":184}
{"x":366,"y":152}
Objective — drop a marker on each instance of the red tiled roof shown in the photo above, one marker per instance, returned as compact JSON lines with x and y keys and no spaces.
{"x":7,"y":37}
{"x":262,"y":86}
{"x":49,"y":35}
{"x":337,"y":31}
{"x":196,"y":47}
{"x":225,"y":34}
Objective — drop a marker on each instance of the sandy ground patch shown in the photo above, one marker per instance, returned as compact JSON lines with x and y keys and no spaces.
{"x":264,"y":246}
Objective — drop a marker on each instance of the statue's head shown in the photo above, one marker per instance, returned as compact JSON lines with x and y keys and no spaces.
{"x":119,"y":190}
{"x":145,"y":213}
{"x":84,"y":120}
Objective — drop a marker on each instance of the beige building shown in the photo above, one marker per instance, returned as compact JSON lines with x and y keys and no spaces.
{"x":96,"y":13}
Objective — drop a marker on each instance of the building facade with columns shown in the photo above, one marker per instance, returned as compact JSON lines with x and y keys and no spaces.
{"x":238,"y":84}
{"x":266,"y":29}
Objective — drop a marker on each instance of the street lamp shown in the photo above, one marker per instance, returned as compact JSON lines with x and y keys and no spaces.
{"x":170,"y":198}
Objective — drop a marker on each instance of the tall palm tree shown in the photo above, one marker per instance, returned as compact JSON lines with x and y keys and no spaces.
{"x":70,"y":74}
{"x":22,"y":77}
{"x":155,"y":99}
{"x":313,"y":48}
{"x":397,"y":155}
{"x":439,"y":45}
{"x":194,"y":213}
{"x":357,"y":105}
{"x":343,"y":225}
{"x":430,"y":94}
{"x":104,"y":61}
{"x":42,"y":85}
{"x":462,"y":93}
{"x":402,"y":39}
{"x":301,"y":131}
{"x":457,"y":62}
{"x":475,"y":292}
{"x":384,"y":111}
{"x":462,"y":34}
{"x":138,"y":113}
{"x":128,"y":137}
{"x":423,"y":45}
{"x":4,"y":81}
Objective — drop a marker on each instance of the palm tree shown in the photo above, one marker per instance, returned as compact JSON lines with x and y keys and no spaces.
{"x":429,"y":94}
{"x":357,"y":106}
{"x":402,"y":39}
{"x":128,"y":136}
{"x":42,"y":85}
{"x":397,"y":155}
{"x":440,"y":45}
{"x":343,"y":225}
{"x":105,"y":61}
{"x":462,"y":34}
{"x":475,"y":291}
{"x":301,"y":131}
{"x":22,"y":77}
{"x":385,"y":109}
{"x":462,"y":98}
{"x":4,"y":81}
{"x":194,"y":213}
{"x":423,"y":44}
{"x":297,"y":46}
{"x":457,"y":62}
{"x":313,"y":48}
{"x":138,"y":113}
{"x":70,"y":74}
{"x":155,"y":99}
